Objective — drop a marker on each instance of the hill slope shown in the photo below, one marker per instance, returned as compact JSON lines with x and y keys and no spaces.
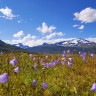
{"x":7,"y":48}
{"x":53,"y":49}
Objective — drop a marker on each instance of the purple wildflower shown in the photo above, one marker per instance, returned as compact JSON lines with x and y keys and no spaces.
{"x":35,"y":64}
{"x":63,"y":62}
{"x":46,"y":57}
{"x":13,"y":62}
{"x":59,"y":58}
{"x":57,"y":61}
{"x":71,"y":60}
{"x":80,"y":52}
{"x":31,"y":55}
{"x":84,"y":58}
{"x":85,"y":54}
{"x":82,"y":55}
{"x":44,"y":85}
{"x":69,"y":64}
{"x":36,"y":68}
{"x":34,"y":59}
{"x":2,"y":53}
{"x":54,"y":63}
{"x":47,"y":65}
{"x":34,"y":82}
{"x":4,"y":78}
{"x":16,"y":70}
{"x":64,"y":52}
{"x":92,"y":55}
{"x":68,"y":51}
{"x":43,"y":63}
{"x":64,"y":56}
{"x":93,"y":87}
{"x":51,"y":60}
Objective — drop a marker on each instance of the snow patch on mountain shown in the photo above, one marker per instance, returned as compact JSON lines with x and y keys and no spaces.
{"x":67,"y":42}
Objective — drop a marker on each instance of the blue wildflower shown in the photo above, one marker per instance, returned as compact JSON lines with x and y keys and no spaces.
{"x":69,"y":64}
{"x":16,"y":70}
{"x":34,"y":82}
{"x":13,"y":62}
{"x":4,"y":78}
{"x":93,"y":87}
{"x":44,"y":85}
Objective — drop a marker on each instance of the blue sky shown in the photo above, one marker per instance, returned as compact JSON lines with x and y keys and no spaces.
{"x":33,"y":22}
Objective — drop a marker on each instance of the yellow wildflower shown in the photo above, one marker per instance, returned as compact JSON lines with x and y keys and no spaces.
{"x":62,"y":59}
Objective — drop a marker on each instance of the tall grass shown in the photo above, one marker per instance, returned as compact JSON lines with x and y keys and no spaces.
{"x":61,"y":79}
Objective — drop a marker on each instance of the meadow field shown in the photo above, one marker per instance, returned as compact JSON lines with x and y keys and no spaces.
{"x":63,"y":74}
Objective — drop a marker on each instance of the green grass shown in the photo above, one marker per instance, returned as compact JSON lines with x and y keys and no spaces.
{"x":62,"y":80}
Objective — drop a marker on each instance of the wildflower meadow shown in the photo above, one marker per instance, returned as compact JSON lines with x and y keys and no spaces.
{"x":66,"y":74}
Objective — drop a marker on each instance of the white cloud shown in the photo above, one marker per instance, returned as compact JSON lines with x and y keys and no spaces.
{"x":19,"y":21}
{"x":75,"y":25}
{"x":7,"y":13}
{"x":54,"y":34}
{"x":37,"y":42}
{"x":19,"y":34}
{"x":7,"y":41}
{"x":33,"y":37}
{"x":44,"y":29}
{"x":26,"y":38}
{"x":91,"y":39}
{"x":87,"y":15}
{"x":81,"y":27}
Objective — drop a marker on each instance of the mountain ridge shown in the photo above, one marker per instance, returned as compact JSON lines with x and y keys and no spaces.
{"x":77,"y":44}
{"x":73,"y":42}
{"x":9,"y":48}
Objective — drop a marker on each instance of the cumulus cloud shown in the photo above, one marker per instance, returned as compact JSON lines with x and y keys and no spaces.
{"x":54,"y":34}
{"x":7,"y":13}
{"x":87,"y":15}
{"x":81,"y":27}
{"x":19,"y":21}
{"x":26,"y":38}
{"x":75,"y":25}
{"x":91,"y":39}
{"x":37,"y":42}
{"x":18,"y":34}
{"x":44,"y":29}
{"x":33,"y":37}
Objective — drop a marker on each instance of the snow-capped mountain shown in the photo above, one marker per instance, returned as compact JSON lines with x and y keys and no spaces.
{"x":73,"y":42}
{"x":79,"y":42}
{"x":21,"y":45}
